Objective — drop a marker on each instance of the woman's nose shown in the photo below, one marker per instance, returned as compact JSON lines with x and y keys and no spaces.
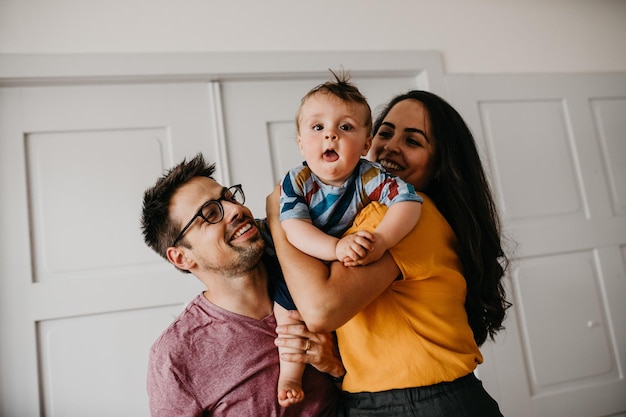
{"x":391,"y":146}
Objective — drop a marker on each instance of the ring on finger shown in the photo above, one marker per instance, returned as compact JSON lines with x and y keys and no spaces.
{"x":307,"y":346}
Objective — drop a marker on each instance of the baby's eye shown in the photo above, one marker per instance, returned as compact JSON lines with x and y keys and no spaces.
{"x":317,"y":127}
{"x":346,"y":127}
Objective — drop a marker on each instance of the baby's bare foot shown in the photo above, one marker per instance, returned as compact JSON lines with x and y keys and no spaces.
{"x":289,"y":393}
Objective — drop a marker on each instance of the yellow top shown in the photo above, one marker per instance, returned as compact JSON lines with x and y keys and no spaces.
{"x":415,"y":333}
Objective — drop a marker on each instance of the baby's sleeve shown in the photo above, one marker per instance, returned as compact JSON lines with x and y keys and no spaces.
{"x":387,"y":189}
{"x":293,"y":205}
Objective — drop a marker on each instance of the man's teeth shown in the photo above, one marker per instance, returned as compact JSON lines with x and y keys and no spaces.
{"x":243,"y":230}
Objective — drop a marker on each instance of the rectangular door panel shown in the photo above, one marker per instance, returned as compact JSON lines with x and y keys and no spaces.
{"x":86,"y":356}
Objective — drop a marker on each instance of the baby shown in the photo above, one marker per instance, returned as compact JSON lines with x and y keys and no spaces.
{"x":321,"y":197}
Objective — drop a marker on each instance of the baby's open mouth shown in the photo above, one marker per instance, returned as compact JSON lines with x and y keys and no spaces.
{"x":330,"y":155}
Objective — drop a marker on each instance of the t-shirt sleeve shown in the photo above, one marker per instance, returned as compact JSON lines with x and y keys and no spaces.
{"x":385,"y":188}
{"x":293,"y":204}
{"x":168,"y":395}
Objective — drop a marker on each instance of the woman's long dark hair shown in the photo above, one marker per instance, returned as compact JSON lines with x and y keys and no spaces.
{"x":462,"y":194}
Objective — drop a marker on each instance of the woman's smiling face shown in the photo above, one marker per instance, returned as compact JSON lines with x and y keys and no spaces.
{"x":403,"y":144}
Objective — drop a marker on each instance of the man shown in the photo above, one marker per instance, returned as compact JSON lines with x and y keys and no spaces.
{"x":218,"y":358}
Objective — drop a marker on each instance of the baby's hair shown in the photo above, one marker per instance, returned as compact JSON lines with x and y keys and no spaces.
{"x":342,"y":88}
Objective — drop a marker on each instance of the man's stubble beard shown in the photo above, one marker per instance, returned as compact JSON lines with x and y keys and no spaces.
{"x":248,"y":258}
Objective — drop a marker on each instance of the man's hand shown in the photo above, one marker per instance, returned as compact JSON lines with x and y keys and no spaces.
{"x":322,"y":352}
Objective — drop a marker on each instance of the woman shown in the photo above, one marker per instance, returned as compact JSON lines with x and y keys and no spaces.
{"x":409,"y":325}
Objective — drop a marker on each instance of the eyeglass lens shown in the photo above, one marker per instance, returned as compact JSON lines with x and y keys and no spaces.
{"x":213,"y":211}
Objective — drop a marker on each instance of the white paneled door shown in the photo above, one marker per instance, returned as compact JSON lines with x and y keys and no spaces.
{"x":81,"y":296}
{"x":556,"y":146}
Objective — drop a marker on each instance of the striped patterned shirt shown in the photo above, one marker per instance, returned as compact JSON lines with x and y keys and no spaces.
{"x":333,"y":209}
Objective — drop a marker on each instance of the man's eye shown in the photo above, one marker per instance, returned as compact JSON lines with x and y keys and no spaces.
{"x":211,"y":212}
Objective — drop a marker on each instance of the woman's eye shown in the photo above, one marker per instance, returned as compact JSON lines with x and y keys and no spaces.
{"x":384,"y":135}
{"x":413,"y":142}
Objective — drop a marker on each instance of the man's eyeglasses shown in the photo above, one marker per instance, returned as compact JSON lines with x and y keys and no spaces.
{"x":212,"y":211}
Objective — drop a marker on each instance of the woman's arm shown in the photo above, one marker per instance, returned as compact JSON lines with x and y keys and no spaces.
{"x":327,"y":296}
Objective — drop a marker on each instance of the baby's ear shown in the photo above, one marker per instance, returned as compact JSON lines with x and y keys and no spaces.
{"x":300,"y":145}
{"x":367,"y":145}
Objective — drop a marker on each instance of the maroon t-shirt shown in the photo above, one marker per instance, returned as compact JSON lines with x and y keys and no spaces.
{"x":214,"y":362}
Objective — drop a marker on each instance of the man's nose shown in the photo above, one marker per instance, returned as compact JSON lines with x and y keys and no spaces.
{"x":232,"y":210}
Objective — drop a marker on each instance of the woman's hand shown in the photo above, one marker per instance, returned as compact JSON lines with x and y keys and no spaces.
{"x":322,"y":352}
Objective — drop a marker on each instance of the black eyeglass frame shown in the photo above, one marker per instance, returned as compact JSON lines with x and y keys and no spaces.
{"x":234,"y":189}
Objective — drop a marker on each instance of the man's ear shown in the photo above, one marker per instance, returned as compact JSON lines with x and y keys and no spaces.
{"x":178,"y":257}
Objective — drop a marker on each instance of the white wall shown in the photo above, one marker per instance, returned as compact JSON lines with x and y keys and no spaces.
{"x":474,"y":36}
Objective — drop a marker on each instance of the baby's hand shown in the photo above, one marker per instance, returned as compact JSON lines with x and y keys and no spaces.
{"x":376,"y":250}
{"x":352,"y":248}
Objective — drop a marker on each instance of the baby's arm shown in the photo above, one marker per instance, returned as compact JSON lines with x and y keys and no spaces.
{"x":309,"y":239}
{"x":399,"y":220}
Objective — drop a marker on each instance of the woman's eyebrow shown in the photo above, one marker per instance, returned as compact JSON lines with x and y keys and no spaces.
{"x":408,"y":129}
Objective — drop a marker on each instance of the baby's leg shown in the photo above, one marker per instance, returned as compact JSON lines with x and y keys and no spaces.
{"x":290,"y":378}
